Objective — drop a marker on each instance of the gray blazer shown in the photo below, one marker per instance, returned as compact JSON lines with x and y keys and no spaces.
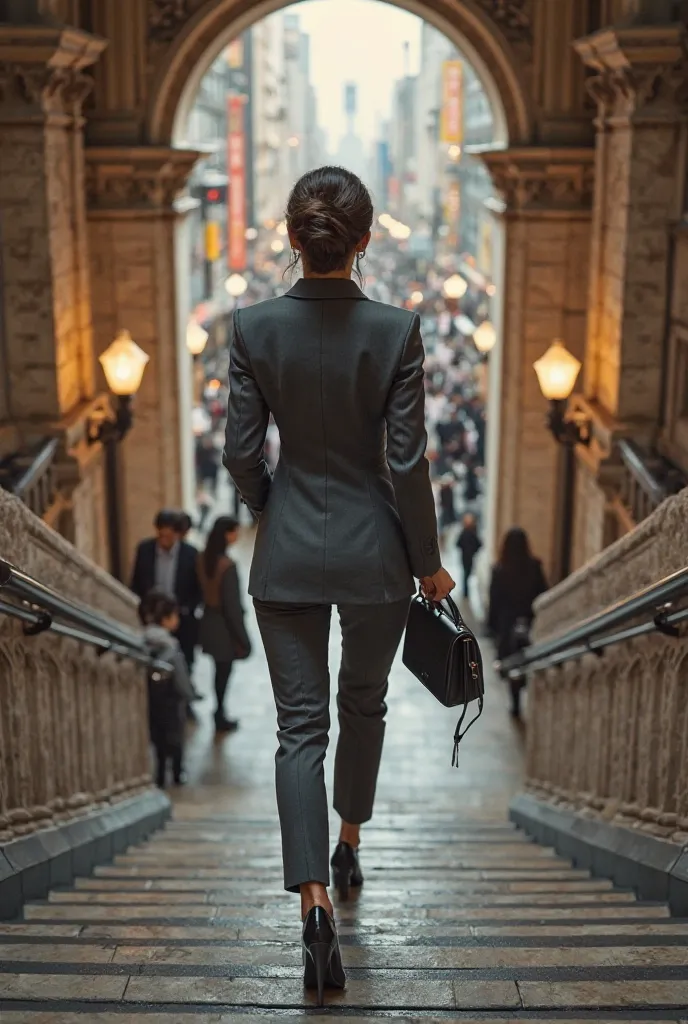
{"x":349,"y":517}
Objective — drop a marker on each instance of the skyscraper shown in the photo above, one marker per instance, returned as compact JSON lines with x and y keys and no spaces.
{"x":351,"y":152}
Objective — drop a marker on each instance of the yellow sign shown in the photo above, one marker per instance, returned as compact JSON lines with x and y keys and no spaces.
{"x":451,"y":124}
{"x":212,"y":241}
{"x":235,"y":53}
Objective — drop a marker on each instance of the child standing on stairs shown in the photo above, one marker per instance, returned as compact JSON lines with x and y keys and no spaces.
{"x":168,"y":696}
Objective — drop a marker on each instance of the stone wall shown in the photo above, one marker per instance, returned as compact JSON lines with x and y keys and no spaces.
{"x":64,"y":711}
{"x":588,"y":533}
{"x":608,"y":735}
{"x":547,"y":195}
{"x":132,"y":223}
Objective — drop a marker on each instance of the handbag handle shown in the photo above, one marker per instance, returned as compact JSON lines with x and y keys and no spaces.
{"x":454,"y":614}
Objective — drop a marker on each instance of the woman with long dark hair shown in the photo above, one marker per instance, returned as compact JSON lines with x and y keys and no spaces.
{"x":347,"y":520}
{"x":517,"y":580}
{"x":222,"y":634}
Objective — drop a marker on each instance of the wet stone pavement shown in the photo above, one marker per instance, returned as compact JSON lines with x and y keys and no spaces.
{"x":460,"y":917}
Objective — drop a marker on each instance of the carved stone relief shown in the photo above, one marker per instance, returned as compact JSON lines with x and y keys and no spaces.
{"x":512,"y":16}
{"x":57,"y":90}
{"x":139,"y":183}
{"x":544,"y":183}
{"x":165,"y":17}
{"x":63,"y":710}
{"x":621,"y":721}
{"x":634,"y":91}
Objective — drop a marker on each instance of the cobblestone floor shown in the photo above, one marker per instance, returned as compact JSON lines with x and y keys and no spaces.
{"x":460,"y":918}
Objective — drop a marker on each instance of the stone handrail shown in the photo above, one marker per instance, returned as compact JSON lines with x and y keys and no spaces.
{"x":73,"y":725}
{"x":608,"y":736}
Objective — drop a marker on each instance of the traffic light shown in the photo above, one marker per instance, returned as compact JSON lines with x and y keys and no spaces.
{"x":215,"y":195}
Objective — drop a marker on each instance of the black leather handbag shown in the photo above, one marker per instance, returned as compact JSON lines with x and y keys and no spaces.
{"x":443,"y":653}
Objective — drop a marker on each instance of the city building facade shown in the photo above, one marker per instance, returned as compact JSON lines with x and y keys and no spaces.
{"x":476,"y":223}
{"x":271,"y":119}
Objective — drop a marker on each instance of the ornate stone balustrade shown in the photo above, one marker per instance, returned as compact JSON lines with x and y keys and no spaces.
{"x":608,"y":736}
{"x":73,"y":725}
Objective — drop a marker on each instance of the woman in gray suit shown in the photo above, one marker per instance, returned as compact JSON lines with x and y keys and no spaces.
{"x":348,"y":519}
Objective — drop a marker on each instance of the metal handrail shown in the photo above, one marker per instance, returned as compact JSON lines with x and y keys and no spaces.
{"x":39,"y":622}
{"x":33,"y":473}
{"x":45,"y":609}
{"x":654,"y":603}
{"x":28,"y":589}
{"x":657,"y":477}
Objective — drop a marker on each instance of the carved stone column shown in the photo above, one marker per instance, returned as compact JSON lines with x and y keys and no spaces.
{"x":545,"y":217}
{"x":132,"y":227}
{"x":48,"y":382}
{"x":641,"y":91}
{"x":42,"y":87}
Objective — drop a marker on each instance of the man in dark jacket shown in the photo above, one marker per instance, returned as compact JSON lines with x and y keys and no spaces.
{"x":168,"y":563}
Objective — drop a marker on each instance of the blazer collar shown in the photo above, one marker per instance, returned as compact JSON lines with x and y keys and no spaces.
{"x":325,"y":288}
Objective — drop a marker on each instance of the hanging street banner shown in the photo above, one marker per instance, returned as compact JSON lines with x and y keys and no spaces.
{"x":236,"y":171}
{"x":451,"y":124}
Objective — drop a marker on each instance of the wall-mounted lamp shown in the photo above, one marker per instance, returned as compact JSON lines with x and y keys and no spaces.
{"x":196,"y":338}
{"x":485,"y":337}
{"x":123,"y":364}
{"x":236,"y":284}
{"x":557,"y":372}
{"x":455,"y":287}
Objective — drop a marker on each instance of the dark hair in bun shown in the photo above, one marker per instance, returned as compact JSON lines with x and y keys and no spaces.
{"x":328,"y":213}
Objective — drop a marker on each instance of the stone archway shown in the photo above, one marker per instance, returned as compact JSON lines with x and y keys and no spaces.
{"x":542,"y":168}
{"x":497,"y":44}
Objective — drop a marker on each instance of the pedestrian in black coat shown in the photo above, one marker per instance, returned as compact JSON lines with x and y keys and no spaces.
{"x":469,"y":544}
{"x":222,"y":634}
{"x":517,"y":580}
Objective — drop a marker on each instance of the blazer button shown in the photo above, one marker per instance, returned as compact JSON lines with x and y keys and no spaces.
{"x":431,"y":546}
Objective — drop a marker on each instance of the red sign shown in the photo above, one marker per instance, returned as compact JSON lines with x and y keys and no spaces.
{"x":236,"y":171}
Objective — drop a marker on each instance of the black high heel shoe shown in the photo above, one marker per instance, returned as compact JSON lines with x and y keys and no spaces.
{"x":346,"y":869}
{"x":322,"y":960}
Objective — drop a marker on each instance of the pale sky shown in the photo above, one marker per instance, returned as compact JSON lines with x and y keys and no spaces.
{"x":358,"y":41}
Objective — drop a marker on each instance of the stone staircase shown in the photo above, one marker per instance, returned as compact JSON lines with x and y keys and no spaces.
{"x":461,"y":916}
{"x":458,"y":919}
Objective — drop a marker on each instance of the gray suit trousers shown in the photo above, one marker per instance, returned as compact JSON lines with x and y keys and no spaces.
{"x":296,"y":641}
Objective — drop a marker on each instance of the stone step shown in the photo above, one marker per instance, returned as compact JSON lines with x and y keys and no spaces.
{"x":420,"y":887}
{"x":369,"y":957}
{"x":14,"y":1017}
{"x":391,"y":918}
{"x":389,"y":993}
{"x":496,"y":874}
{"x":530,"y":932}
{"x":377,"y":903}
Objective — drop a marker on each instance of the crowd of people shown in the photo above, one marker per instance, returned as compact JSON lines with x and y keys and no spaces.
{"x":189,"y":599}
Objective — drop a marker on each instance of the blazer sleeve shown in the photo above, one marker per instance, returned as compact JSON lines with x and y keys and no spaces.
{"x":247,"y":424}
{"x":408,"y":466}
{"x":233,"y":608}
